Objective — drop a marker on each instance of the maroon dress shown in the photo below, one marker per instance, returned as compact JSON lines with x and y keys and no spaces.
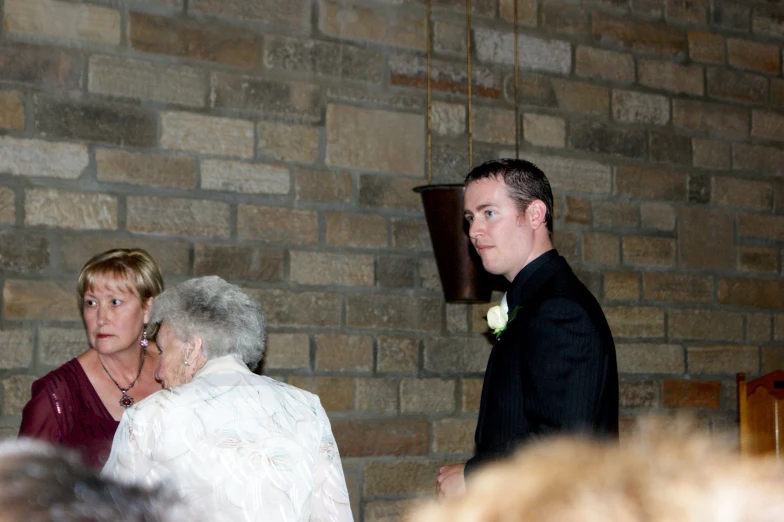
{"x":65,"y":409}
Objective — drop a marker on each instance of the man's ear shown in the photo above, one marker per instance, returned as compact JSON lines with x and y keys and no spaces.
{"x":537,"y":213}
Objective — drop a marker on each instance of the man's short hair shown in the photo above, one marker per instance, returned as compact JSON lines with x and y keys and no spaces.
{"x":524,"y":182}
{"x":42,"y":483}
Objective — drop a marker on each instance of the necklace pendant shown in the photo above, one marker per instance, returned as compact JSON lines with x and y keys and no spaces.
{"x":126,"y":401}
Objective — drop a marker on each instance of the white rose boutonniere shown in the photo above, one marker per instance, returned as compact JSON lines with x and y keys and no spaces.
{"x":498,"y":317}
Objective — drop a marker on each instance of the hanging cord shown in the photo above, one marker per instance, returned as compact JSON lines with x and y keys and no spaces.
{"x":470,"y":81}
{"x":429,"y":106}
{"x":516,"y":86}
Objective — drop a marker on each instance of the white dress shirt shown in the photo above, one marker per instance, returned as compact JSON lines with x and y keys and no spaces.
{"x":237,"y":446}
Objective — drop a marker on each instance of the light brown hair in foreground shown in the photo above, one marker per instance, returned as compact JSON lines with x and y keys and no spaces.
{"x":661,"y":474}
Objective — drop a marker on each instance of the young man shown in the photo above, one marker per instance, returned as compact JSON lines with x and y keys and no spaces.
{"x":552,"y":368}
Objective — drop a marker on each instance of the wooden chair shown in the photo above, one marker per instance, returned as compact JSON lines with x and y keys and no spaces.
{"x":761,"y":414}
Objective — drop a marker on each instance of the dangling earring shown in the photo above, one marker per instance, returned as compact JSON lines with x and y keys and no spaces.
{"x":187,"y":361}
{"x":144,"y":342}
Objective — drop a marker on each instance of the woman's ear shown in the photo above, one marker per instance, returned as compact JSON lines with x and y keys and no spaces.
{"x":537,"y":213}
{"x":147,"y":307}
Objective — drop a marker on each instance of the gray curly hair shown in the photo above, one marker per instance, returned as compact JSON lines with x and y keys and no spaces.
{"x":226,"y":319}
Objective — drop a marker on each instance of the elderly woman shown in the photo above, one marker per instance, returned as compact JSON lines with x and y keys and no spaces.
{"x":79,"y":404}
{"x":241,"y":446}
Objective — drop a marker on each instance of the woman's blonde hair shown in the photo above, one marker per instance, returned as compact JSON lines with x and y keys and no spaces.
{"x":131,"y":268}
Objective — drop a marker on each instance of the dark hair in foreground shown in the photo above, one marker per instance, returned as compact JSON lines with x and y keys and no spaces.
{"x":524,"y":181}
{"x":42,"y":483}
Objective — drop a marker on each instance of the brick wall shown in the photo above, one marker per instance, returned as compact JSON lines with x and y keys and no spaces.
{"x":276,"y":142}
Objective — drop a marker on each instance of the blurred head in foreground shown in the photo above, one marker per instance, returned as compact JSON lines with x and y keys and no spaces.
{"x":39,"y":482}
{"x":675,"y":475}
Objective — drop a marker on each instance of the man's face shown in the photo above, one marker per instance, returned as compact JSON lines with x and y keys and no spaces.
{"x":501,"y":234}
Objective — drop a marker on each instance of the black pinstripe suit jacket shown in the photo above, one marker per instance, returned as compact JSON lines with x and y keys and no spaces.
{"x":552,"y":370}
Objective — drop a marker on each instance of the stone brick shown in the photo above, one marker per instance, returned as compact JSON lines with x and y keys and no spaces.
{"x":758,"y":158}
{"x":706,"y":47}
{"x":234,"y":262}
{"x":188,"y":38}
{"x":291,"y":226}
{"x":766,"y":124}
{"x":17,"y":349}
{"x":699,"y":189}
{"x":568,"y":244}
{"x":710,"y":117}
{"x":41,"y":66}
{"x":427,"y":395}
{"x":37,"y":158}
{"x":335,"y":393}
{"x":638,"y":394}
{"x":650,"y":358}
{"x":567,"y":174}
{"x":655,"y":251}
{"x":636,"y":107}
{"x":382,"y":26}
{"x":335,"y":352}
{"x":44,"y":300}
{"x":616,"y":214}
{"x":732,"y":16}
{"x":657,"y":216}
{"x":326,"y":268}
{"x":533,"y":89}
{"x":297,"y":101}
{"x":457,"y":317}
{"x":12,"y":113}
{"x":323,"y":185}
{"x":60,"y":345}
{"x":604,"y":139}
{"x":635,"y":321}
{"x":757,"y":293}
{"x":691,"y":394}
{"x":691,"y":288}
{"x":449,"y":37}
{"x":390,"y":510}
{"x":639,"y":36}
{"x":567,"y":19}
{"x":243,"y":177}
{"x":582,"y":97}
{"x":768,"y":22}
{"x":544,"y":131}
{"x":289,"y":308}
{"x":356,"y":230}
{"x":397,"y":355}
{"x":23,"y":251}
{"x":762,"y":226}
{"x":78,"y":23}
{"x":77,"y":210}
{"x":601,"y":64}
{"x":713,"y":325}
{"x":702,"y":238}
{"x":666,"y":147}
{"x":389,"y":192}
{"x":578,"y":211}
{"x":144,"y":80}
{"x":777,"y":92}
{"x":96,"y":121}
{"x":601,"y":248}
{"x":758,"y":327}
{"x":448,"y":119}
{"x":778,"y":327}
{"x":456,"y":355}
{"x":743,"y":193}
{"x":449,"y":76}
{"x":377,"y":395}
{"x":189,"y":217}
{"x":687,"y":11}
{"x":746,"y":54}
{"x":731,"y":85}
{"x":287,"y":351}
{"x":772,"y":359}
{"x":290,"y":143}
{"x":622,"y":286}
{"x":400,"y":477}
{"x":394,"y":312}
{"x":396,"y":272}
{"x":16,"y":393}
{"x":537,"y":54}
{"x":723,"y":359}
{"x":711,"y":154}
{"x":650,"y":184}
{"x":381,"y":147}
{"x":493,"y":125}
{"x":428,"y":274}
{"x":159,"y":170}
{"x":291,"y":13}
{"x":758,"y":259}
{"x":206,"y":134}
{"x":526,"y":11}
{"x":472,"y":393}
{"x":454,"y":435}
{"x":324,"y":58}
{"x":170,"y":254}
{"x":670,"y":76}
{"x":376,"y":437}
